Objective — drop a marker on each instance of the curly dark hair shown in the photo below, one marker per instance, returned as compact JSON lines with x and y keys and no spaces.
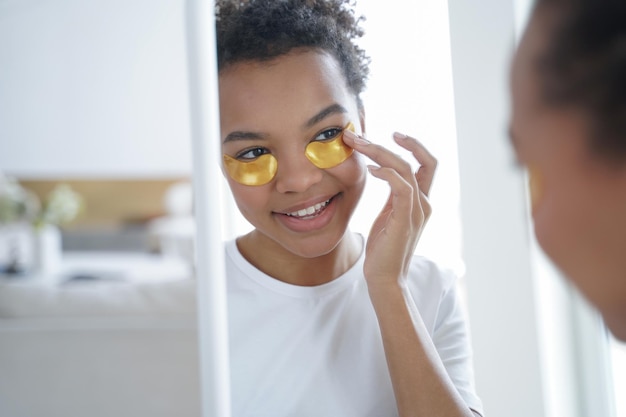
{"x":261,"y":30}
{"x":584,"y":66}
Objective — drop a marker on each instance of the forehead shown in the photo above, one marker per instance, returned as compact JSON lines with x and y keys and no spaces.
{"x":524,"y":77}
{"x":295,"y":85}
{"x":542,"y":132}
{"x":529,"y":114}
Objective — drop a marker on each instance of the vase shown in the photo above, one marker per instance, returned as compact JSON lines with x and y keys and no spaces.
{"x":47,"y":251}
{"x":14,"y":248}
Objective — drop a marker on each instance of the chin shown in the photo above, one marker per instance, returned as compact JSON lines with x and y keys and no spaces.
{"x":313,"y":248}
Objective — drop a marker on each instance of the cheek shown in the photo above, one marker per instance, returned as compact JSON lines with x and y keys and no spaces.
{"x":547,"y":230}
{"x":351,"y":173}
{"x":563,"y":223}
{"x":535,"y":186}
{"x":248,"y":198}
{"x":551,"y":206}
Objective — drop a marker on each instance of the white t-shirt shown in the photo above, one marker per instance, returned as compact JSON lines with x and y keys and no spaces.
{"x":317,"y":351}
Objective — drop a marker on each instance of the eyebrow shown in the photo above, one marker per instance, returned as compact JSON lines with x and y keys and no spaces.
{"x":332,"y":109}
{"x":238,"y":135}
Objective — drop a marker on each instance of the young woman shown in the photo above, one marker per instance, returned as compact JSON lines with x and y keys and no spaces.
{"x":568,"y":127}
{"x":323,"y":321}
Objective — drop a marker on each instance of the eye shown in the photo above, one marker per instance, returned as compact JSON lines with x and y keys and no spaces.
{"x":328,"y":134}
{"x":251,"y":154}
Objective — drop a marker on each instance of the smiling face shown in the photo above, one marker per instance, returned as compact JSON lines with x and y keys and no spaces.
{"x":279,"y":107}
{"x":579,"y":200}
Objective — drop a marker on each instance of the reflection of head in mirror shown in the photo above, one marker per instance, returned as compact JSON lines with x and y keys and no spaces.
{"x":315,"y":309}
{"x":568,"y":127}
{"x":289,"y":79}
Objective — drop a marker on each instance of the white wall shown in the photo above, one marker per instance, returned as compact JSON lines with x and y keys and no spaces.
{"x":410,"y":90}
{"x":93,"y":88}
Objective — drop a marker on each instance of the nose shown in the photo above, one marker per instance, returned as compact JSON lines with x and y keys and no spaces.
{"x":296,"y":174}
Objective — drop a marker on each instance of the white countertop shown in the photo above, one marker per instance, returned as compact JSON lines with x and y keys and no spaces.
{"x":107,"y":266}
{"x":102,"y":284}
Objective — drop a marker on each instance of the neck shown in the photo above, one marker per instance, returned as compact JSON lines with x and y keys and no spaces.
{"x":278,"y":262}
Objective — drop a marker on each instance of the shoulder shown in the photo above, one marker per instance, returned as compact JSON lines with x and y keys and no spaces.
{"x":427,"y":275}
{"x":432,"y":287}
{"x":235,"y":261}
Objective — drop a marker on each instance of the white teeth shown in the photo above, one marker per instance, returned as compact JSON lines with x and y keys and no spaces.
{"x":309,"y":210}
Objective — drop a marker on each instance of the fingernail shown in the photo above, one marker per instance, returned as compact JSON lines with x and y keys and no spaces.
{"x":349,"y":134}
{"x":373,"y":168}
{"x":399,"y":136}
{"x":361,"y":141}
{"x":358,"y":140}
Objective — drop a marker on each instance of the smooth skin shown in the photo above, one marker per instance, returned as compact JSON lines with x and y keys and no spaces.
{"x":579,"y":208}
{"x":282,"y":105}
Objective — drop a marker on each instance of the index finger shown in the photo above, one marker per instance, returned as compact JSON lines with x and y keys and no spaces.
{"x":428,"y":163}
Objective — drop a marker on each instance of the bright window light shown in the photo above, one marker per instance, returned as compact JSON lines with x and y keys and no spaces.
{"x":410,"y":90}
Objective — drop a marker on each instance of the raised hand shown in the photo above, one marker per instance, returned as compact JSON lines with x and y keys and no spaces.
{"x":421,"y":384}
{"x":396,"y":231}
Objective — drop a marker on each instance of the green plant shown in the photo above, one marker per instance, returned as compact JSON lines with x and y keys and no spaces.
{"x":62,"y":206}
{"x":18,"y":204}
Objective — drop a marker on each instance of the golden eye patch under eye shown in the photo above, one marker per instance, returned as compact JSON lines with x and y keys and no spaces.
{"x":262,"y":169}
{"x":331,"y":153}
{"x":535,"y":185}
{"x":259,"y":171}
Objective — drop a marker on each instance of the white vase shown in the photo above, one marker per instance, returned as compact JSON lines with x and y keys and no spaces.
{"x":47,"y":251}
{"x":15,"y":247}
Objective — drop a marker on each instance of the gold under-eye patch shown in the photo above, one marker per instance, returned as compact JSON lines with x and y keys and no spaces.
{"x":329,"y":154}
{"x":257,"y":172}
{"x":262,"y":170}
{"x":535,"y":185}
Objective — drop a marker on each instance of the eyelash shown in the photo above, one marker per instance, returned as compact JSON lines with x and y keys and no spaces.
{"x":327,"y":134}
{"x":241,"y":155}
{"x":335,"y":132}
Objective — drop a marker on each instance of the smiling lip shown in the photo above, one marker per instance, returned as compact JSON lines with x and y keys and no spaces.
{"x":310,"y":217}
{"x":310,"y":211}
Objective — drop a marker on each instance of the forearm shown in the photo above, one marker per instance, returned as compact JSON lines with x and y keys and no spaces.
{"x":420,"y":382}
